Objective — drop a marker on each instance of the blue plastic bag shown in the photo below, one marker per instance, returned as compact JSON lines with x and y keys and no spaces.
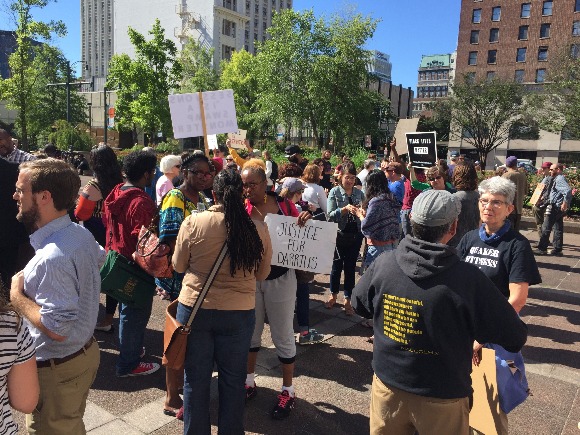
{"x":511,"y":378}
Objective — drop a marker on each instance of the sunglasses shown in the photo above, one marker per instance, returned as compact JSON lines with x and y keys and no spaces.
{"x":438,"y":177}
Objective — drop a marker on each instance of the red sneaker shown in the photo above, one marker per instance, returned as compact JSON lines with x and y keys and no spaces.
{"x":143,"y":369}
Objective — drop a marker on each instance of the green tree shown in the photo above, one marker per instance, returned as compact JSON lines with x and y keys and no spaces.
{"x":240,"y":74}
{"x":314,"y":73}
{"x":20,"y":89}
{"x":143,"y":84}
{"x":50,"y":103}
{"x":197,"y":68}
{"x":482,"y":113}
{"x":67,"y":136}
{"x":558,"y":107}
{"x":439,"y":120}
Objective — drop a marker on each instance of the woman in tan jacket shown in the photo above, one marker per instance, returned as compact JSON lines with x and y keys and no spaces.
{"x":223,"y":326}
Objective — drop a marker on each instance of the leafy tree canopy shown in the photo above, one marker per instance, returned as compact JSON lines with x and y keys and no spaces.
{"x":482,"y":113}
{"x":144,"y":83}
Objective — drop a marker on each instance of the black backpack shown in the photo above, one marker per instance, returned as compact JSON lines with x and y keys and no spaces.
{"x":274,"y":174}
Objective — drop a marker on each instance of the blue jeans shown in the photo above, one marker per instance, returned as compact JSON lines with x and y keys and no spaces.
{"x":303,"y":306}
{"x":374,"y":251}
{"x":346,"y":259}
{"x":132,"y":325}
{"x":222,"y":337}
{"x":406,"y":223}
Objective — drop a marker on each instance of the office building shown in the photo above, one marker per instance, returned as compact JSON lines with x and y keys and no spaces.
{"x":7,"y":47}
{"x":380,"y":66}
{"x":520,"y":40}
{"x":435,"y":74}
{"x":225,"y":25}
{"x":97,"y":38}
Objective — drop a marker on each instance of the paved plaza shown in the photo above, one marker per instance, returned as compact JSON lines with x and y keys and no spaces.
{"x":333,"y":378}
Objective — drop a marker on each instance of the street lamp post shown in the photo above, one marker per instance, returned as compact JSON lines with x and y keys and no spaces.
{"x":90,"y":106}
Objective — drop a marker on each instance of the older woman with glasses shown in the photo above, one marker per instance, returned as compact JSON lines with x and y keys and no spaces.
{"x":500,"y":252}
{"x":170,"y":165}
{"x":177,"y":205}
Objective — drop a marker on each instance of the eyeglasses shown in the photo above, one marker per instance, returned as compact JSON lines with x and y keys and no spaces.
{"x":349,"y":178}
{"x":438,"y":177}
{"x":495,"y":203}
{"x":199,"y":174}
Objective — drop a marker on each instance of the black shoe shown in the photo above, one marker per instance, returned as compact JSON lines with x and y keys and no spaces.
{"x":555,"y":253}
{"x":284,"y":405}
{"x":539,"y":251}
{"x":251,"y":392}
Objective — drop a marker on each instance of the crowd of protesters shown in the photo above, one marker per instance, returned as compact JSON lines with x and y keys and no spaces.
{"x":416,"y":233}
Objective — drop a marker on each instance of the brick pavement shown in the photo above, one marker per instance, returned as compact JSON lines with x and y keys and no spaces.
{"x":333,"y":378}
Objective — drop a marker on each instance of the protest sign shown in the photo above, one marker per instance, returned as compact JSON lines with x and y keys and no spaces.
{"x":422,"y":149}
{"x":219,"y":109}
{"x":212,"y":143}
{"x":537,"y":194}
{"x":185,"y":115}
{"x":485,"y":413}
{"x":309,"y":248}
{"x":238,"y":139}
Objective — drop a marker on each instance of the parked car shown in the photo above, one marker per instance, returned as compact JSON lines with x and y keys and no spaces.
{"x":530,"y":169}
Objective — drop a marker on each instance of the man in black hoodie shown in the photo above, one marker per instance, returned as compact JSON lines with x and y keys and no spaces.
{"x":427,"y":308}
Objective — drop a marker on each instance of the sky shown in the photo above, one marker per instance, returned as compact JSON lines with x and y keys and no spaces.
{"x":407,"y":29}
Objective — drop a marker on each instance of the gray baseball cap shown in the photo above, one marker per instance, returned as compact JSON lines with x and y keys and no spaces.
{"x":434,"y":208}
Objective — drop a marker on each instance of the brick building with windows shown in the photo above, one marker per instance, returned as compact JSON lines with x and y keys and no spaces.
{"x":514,"y":39}
{"x":518,"y":40}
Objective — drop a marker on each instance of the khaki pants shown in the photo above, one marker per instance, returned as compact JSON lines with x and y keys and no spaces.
{"x":396,"y":412}
{"x":63,"y":395}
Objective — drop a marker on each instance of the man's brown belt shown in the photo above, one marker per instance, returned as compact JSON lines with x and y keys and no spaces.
{"x":57,"y":361}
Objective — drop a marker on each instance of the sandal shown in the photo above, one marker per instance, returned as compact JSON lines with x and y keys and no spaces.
{"x":349,"y":310}
{"x":170,"y":412}
{"x":177,"y":413}
{"x":330,"y":303}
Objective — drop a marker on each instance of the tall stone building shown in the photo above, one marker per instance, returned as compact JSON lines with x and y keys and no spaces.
{"x":96,"y":39}
{"x":225,"y":25}
{"x":435,"y":74}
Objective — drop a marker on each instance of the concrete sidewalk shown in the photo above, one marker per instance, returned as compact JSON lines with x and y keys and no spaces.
{"x":333,"y":378}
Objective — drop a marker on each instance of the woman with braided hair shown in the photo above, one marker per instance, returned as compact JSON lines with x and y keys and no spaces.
{"x":223,"y":326}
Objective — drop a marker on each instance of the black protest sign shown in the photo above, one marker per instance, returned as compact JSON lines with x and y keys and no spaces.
{"x":422,"y":149}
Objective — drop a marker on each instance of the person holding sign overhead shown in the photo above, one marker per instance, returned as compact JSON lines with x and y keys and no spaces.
{"x":276,"y":295}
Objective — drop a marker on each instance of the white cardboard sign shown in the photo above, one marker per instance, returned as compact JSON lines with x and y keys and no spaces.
{"x":219,"y":108}
{"x":185,"y":115}
{"x":212,"y":143}
{"x":238,"y":139}
{"x":309,"y":248}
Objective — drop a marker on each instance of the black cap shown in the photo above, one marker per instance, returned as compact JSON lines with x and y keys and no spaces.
{"x":290,"y":150}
